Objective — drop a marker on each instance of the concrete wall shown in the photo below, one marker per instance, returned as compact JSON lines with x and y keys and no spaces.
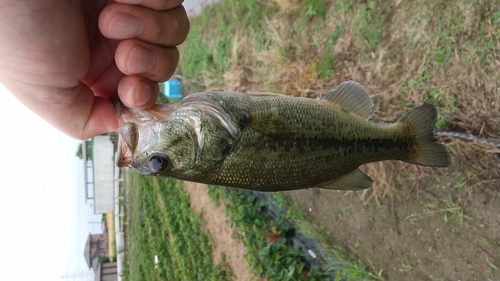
{"x":103,"y":175}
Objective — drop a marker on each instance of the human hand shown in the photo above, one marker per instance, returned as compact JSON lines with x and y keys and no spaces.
{"x":65,"y":59}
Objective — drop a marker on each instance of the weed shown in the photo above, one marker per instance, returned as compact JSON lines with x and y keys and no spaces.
{"x":419,"y":230}
{"x":492,"y":265}
{"x":196,"y":57}
{"x":215,"y":195}
{"x":421,"y":79}
{"x":439,"y":98}
{"x":406,"y":267}
{"x":314,"y":8}
{"x":487,"y":247}
{"x":265,"y":240}
{"x":357,"y":244}
{"x":442,"y":53}
{"x":450,"y":209}
{"x":461,"y":180}
{"x":173,"y":235}
{"x":370,"y":18}
{"x":345,"y":5}
{"x":495,"y":17}
{"x":328,"y":56}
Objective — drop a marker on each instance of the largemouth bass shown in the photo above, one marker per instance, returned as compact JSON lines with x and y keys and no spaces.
{"x":273,"y":142}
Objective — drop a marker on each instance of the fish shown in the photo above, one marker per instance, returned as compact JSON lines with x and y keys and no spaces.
{"x":274,"y":142}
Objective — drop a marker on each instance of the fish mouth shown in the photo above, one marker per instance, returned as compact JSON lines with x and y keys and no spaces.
{"x":126,"y":131}
{"x":128,"y":142}
{"x":124,"y":156}
{"x":138,"y":128}
{"x":136,"y":132}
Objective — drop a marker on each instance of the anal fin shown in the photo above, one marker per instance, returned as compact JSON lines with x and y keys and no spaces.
{"x":355,"y":180}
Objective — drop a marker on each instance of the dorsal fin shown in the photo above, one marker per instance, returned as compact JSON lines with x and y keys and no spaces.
{"x":352,"y":97}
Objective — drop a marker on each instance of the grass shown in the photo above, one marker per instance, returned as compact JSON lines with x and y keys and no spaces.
{"x":450,"y":209}
{"x":268,"y":253}
{"x":165,"y":239}
{"x":369,"y":21}
{"x":265,"y":240}
{"x":165,"y":243}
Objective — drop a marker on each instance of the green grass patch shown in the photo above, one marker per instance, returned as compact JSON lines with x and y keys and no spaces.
{"x":450,"y":209}
{"x":208,"y":51}
{"x":370,"y":18}
{"x":161,"y":223}
{"x":314,"y":8}
{"x":265,"y":240}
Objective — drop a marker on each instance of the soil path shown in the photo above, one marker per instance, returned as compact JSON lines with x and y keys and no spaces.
{"x":220,"y":230}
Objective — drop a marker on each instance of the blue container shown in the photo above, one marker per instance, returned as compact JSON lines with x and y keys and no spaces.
{"x":172,"y":89}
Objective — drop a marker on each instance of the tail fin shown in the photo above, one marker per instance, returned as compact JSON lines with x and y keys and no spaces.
{"x":429,"y":152}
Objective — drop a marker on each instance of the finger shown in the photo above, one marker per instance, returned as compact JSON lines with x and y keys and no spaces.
{"x":137,"y":92}
{"x":74,"y":111}
{"x":102,"y":119}
{"x":102,"y":58}
{"x":153,"y":62}
{"x":153,"y":4}
{"x":166,"y":28}
{"x":105,"y":85}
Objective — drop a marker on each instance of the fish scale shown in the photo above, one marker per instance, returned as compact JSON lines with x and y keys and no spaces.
{"x":294,"y":165}
{"x":272,"y":142}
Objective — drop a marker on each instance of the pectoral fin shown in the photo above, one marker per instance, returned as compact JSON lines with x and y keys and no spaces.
{"x":355,"y":180}
{"x":266,"y":123}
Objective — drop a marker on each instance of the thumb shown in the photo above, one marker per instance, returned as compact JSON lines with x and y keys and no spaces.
{"x":74,"y":111}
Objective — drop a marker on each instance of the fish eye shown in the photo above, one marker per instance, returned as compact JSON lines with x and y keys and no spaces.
{"x":158,"y":162}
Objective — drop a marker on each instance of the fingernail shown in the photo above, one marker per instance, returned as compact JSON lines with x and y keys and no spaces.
{"x":140,"y":60}
{"x":142,"y":94}
{"x":124,"y":26}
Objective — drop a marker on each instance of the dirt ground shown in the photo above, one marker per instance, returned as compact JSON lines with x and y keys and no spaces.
{"x":220,"y":230}
{"x":418,"y":234}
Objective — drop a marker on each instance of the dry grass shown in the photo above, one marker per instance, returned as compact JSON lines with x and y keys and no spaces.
{"x":288,"y":6}
{"x":478,"y":161}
